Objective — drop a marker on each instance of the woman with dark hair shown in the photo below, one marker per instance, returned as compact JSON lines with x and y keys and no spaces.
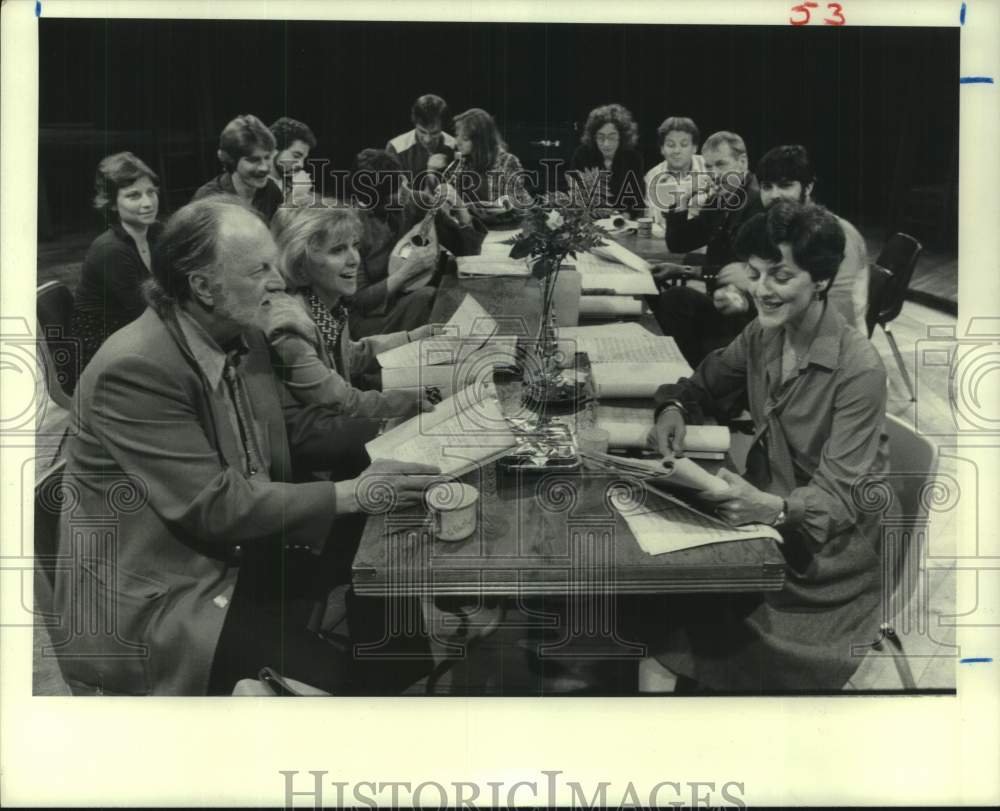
{"x":117,"y":263}
{"x":608,"y":145}
{"x":817,"y":395}
{"x":492,"y":178}
{"x":319,"y":259}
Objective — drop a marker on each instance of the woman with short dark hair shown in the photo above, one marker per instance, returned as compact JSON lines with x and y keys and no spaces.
{"x":608,"y":145}
{"x":817,"y":397}
{"x":118,"y":262}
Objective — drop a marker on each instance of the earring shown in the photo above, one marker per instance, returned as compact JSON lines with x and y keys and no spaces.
{"x":816,"y":295}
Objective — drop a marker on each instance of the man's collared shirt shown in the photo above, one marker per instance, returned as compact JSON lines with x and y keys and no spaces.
{"x":215,"y":365}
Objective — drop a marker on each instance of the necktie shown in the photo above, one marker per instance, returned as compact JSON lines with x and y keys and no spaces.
{"x":247,"y":435}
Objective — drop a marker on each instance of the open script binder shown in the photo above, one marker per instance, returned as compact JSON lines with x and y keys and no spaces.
{"x":462,"y":433}
{"x":670,"y":517}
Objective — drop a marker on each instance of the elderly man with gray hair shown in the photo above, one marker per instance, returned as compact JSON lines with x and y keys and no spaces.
{"x":183,"y":517}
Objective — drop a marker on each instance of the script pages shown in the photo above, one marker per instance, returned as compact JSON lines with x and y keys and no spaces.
{"x":663,"y":519}
{"x":463,"y":432}
{"x":468,"y":351}
{"x":626,"y":360}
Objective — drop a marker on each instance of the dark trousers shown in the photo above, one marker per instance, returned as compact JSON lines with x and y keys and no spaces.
{"x":275,"y":595}
{"x":691,"y":318}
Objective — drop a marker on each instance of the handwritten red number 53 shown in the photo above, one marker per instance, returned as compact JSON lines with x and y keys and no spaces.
{"x":835,"y":10}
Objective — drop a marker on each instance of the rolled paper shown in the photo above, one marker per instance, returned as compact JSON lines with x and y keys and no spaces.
{"x":610,"y":305}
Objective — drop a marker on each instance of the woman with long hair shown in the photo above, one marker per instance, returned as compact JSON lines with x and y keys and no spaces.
{"x":608,"y":145}
{"x":492,"y":177}
{"x":118,"y":262}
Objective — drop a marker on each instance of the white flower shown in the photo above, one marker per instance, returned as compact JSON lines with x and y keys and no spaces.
{"x":554,"y":220}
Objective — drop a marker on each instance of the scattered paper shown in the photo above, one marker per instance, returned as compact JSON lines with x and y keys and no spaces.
{"x":599,"y":274}
{"x":491,"y":265}
{"x":624,"y":343}
{"x":463,"y":432}
{"x":634,"y":379}
{"x":661,"y":526}
{"x":619,"y":253}
{"x":612,"y":306}
{"x":469,"y":321}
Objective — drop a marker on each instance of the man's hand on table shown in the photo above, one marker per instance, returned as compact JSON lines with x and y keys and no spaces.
{"x":386,"y":485}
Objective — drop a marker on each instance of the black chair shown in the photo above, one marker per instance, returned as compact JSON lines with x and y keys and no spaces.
{"x":888,"y":282}
{"x":54,"y":310}
{"x":48,"y":508}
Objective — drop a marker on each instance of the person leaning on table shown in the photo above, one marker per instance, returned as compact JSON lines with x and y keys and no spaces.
{"x":179,"y":470}
{"x":817,"y":394}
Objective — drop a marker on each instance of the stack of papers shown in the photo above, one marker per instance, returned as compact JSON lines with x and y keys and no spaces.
{"x":463,"y":432}
{"x":661,"y":525}
{"x":602,"y":276}
{"x":626,"y":360}
{"x":466,"y":354}
{"x":491,"y":264}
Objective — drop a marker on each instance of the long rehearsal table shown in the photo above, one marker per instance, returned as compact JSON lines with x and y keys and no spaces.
{"x":544,"y":533}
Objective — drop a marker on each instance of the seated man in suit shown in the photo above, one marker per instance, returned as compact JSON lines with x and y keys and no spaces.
{"x":786,"y":173}
{"x":427,"y":139}
{"x":293,"y":141}
{"x":246,"y":151}
{"x":184,"y":524}
{"x":701,"y":322}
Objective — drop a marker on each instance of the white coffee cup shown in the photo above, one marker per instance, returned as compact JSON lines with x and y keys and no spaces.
{"x":453,"y":509}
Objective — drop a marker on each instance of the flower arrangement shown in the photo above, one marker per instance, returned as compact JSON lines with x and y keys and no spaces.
{"x":557,"y":225}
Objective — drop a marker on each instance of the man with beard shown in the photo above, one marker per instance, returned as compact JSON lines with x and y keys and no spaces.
{"x":786,"y":173}
{"x":182,"y":525}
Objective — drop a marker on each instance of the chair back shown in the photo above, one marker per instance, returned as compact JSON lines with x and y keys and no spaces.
{"x":879,"y":288}
{"x":913,"y":465}
{"x":899,"y":256}
{"x":48,"y":509}
{"x":54,"y":310}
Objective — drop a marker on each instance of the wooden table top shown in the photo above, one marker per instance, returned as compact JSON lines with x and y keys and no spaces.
{"x":551,"y":533}
{"x":545,"y":533}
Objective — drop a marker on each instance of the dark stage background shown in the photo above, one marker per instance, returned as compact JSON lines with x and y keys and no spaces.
{"x":877,"y":107}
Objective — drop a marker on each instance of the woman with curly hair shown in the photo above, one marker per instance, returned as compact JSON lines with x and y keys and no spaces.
{"x":117,"y":263}
{"x":491,"y":176}
{"x":608,"y":145}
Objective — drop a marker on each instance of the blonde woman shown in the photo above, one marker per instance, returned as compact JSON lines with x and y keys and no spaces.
{"x":319,"y":260}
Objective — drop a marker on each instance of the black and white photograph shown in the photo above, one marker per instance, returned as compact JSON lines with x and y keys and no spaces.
{"x":381,"y":358}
